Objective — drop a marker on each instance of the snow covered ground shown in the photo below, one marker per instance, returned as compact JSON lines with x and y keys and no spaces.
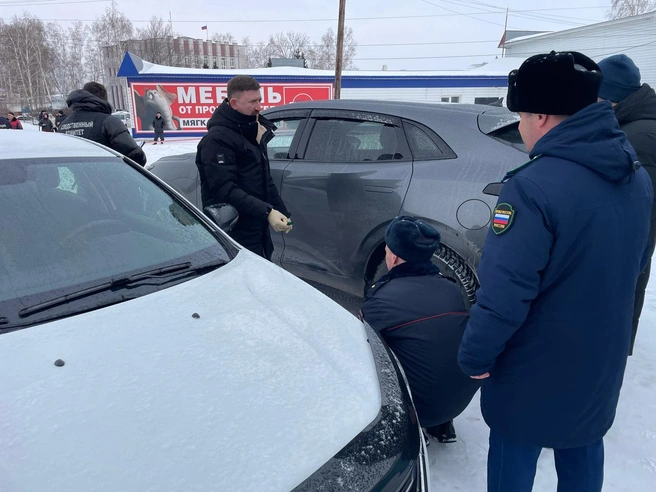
{"x":630,"y":444}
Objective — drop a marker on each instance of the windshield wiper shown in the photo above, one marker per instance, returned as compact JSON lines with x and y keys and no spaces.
{"x":117,"y":283}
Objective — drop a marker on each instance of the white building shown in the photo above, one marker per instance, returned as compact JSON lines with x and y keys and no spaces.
{"x":633,"y":36}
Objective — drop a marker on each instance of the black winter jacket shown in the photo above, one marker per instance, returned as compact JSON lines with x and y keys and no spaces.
{"x":59,"y":119}
{"x":636,"y":115}
{"x":234,"y":169}
{"x":422,"y":316}
{"x":158,"y":125}
{"x":92,"y":119}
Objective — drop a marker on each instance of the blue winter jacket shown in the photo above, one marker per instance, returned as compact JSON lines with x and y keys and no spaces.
{"x":552,"y":324}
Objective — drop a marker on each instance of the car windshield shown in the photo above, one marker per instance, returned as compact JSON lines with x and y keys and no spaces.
{"x":72,"y":224}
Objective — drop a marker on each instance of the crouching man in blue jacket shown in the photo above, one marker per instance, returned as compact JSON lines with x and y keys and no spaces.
{"x":551,"y":330}
{"x":422,"y":316}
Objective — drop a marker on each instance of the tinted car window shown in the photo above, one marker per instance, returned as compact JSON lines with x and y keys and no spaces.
{"x":278,"y":146}
{"x":78,"y":222}
{"x":421,"y":145}
{"x":337,"y":140}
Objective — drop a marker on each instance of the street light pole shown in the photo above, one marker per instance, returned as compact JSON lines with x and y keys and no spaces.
{"x":339,"y":58}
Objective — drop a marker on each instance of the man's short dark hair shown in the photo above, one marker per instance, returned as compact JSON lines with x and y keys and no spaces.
{"x":242,"y":83}
{"x":96,"y":89}
{"x":11,"y":113}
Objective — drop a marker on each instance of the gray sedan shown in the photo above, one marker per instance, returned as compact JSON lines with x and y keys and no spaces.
{"x":346,"y":168}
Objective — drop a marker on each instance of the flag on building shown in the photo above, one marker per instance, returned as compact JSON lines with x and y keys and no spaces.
{"x":204,"y":28}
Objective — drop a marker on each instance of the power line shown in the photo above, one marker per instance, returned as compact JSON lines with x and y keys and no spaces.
{"x":330,"y":19}
{"x":466,"y":15}
{"x":40,"y":2}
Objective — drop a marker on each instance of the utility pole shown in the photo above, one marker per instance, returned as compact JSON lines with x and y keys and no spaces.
{"x":505,"y":34}
{"x":339,"y":58}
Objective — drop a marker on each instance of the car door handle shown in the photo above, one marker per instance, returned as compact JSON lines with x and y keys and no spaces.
{"x":378,"y":189}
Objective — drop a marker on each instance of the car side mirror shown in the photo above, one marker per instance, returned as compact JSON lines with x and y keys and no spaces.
{"x":493,"y":189}
{"x":223,"y":215}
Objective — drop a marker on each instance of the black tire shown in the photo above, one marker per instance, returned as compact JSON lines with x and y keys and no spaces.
{"x":452,"y":266}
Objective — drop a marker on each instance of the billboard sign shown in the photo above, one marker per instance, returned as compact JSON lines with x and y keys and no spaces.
{"x":187,"y":107}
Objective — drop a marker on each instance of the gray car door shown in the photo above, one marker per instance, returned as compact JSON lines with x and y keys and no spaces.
{"x":348,"y":180}
{"x":280,"y":149}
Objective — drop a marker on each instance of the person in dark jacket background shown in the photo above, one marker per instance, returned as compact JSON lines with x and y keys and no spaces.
{"x":422,"y":316}
{"x":14,"y":123}
{"x":59,"y":118}
{"x":551,"y":330}
{"x":635,"y":108}
{"x":92,"y":119}
{"x":158,"y":127}
{"x":234,"y":167}
{"x":45,"y":123}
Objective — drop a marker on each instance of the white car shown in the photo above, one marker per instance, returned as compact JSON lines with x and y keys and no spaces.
{"x":142,"y":349}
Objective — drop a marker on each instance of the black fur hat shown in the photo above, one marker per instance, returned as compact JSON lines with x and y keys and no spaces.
{"x":560,"y":83}
{"x":411,"y":239}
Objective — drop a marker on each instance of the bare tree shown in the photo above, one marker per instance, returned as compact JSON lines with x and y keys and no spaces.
{"x":626,"y":8}
{"x":27,"y":61}
{"x":284,"y":45}
{"x":114,"y":30}
{"x":157,"y":42}
{"x":323,"y":56}
{"x":224,"y":38}
{"x":257,"y":55}
{"x":69,"y":70}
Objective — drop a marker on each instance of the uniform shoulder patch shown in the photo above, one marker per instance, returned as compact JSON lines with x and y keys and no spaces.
{"x":504,"y":214}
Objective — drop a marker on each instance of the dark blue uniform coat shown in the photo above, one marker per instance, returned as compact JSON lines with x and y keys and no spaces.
{"x":552,"y":323}
{"x":422,"y":316}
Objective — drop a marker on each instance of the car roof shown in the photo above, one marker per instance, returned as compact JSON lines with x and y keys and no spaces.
{"x":26,"y":144}
{"x":451,"y":111}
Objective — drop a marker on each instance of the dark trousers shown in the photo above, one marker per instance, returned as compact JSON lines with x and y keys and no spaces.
{"x":159,"y":135}
{"x":511,"y":467}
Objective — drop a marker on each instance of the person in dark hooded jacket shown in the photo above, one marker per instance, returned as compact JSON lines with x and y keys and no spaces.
{"x":551,"y":330}
{"x":59,"y":119}
{"x":635,"y":108}
{"x":92,"y":119}
{"x":422,"y":316}
{"x":234,"y":167}
{"x":158,"y":127}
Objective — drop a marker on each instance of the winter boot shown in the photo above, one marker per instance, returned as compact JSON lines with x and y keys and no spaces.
{"x":444,"y":433}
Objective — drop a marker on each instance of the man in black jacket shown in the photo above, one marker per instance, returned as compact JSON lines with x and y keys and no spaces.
{"x":59,"y":119}
{"x":422,"y":316}
{"x":92,"y":119}
{"x":158,"y":127}
{"x":635,"y":108}
{"x":234,"y":168}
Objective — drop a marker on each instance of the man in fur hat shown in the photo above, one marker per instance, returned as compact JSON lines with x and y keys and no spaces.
{"x":551,"y":330}
{"x":422,"y":315}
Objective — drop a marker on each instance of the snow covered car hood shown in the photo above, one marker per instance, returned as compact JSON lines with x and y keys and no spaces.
{"x":268,"y":384}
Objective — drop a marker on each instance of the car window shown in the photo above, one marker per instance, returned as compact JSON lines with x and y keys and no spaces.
{"x":338,"y":140}
{"x":278,"y":146}
{"x":77,"y":222}
{"x":421,"y":145}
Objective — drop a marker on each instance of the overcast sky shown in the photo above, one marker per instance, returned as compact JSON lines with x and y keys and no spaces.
{"x":402,"y":34}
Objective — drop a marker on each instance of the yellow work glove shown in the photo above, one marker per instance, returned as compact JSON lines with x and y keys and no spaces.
{"x":279,"y":222}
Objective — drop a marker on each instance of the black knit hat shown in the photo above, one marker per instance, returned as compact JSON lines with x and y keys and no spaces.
{"x":555,"y":83}
{"x":411,"y":239}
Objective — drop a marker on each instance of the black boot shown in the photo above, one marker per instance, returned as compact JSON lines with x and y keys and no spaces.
{"x":444,"y":433}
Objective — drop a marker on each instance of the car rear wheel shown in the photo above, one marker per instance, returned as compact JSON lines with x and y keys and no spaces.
{"x":452,"y":266}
